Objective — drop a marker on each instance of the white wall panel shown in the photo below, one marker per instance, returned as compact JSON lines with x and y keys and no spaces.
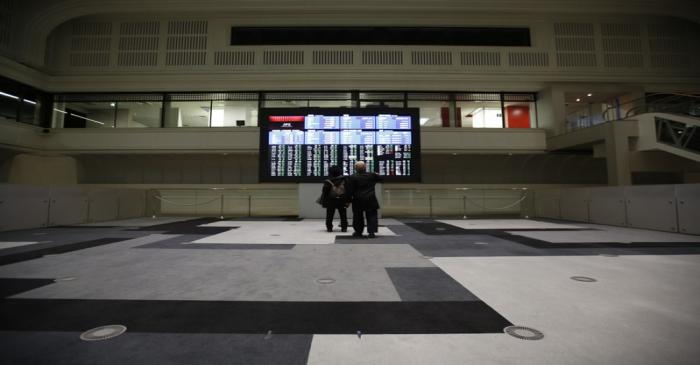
{"x":104,"y":205}
{"x":607,"y":206}
{"x":23,"y":206}
{"x":132,"y":204}
{"x":574,"y":204}
{"x":69,"y":205}
{"x":688,"y":200}
{"x":547,"y":203}
{"x":652,"y":207}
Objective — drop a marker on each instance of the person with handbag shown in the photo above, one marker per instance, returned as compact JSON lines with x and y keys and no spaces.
{"x":360,"y":191}
{"x":334,"y":197}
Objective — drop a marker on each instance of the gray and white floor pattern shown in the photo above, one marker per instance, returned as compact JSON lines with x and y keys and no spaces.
{"x":284,"y":291}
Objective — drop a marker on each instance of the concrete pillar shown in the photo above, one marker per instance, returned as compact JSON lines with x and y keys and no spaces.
{"x":617,"y":150}
{"x":551,"y":110}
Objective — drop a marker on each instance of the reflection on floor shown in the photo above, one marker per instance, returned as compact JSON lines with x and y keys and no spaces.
{"x":284,"y":291}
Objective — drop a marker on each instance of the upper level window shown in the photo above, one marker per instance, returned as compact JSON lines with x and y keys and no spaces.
{"x":400,"y":36}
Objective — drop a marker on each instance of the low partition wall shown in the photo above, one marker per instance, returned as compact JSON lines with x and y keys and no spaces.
{"x":672,"y":208}
{"x":396,"y":200}
{"x":241,"y":201}
{"x":29,"y":206}
{"x":454,"y":201}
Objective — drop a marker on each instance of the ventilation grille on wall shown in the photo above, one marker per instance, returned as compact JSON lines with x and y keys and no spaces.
{"x":428,"y":96}
{"x":6,"y":23}
{"x":381,"y":96}
{"x":138,"y":43}
{"x":91,"y":43}
{"x":234,"y":58}
{"x":528,"y":59}
{"x":307,"y":96}
{"x":519,"y":97}
{"x":382,"y":57}
{"x":283,"y":58}
{"x":668,"y":46}
{"x":213,"y":96}
{"x":622,"y":45}
{"x":575,"y":44}
{"x":473,"y":58}
{"x":478,"y":97}
{"x":332,"y":57}
{"x":99,"y":97}
{"x":432,"y":58}
{"x":186,"y":44}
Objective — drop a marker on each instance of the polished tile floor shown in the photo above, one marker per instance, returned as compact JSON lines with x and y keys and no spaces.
{"x":283,"y":291}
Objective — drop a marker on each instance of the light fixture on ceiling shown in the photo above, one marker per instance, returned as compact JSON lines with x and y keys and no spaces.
{"x":112,"y":104}
{"x":88,"y":119}
{"x":9,"y":95}
{"x":578,"y":100}
{"x":589,"y":94}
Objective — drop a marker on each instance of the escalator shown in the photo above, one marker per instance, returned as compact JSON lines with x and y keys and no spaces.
{"x":673,"y":133}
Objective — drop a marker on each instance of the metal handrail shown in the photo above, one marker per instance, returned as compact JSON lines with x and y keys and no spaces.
{"x":448,"y":189}
{"x":644,"y":99}
{"x":669,"y":99}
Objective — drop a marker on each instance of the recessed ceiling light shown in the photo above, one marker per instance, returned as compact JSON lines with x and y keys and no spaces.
{"x":578,"y":99}
{"x":589,"y":94}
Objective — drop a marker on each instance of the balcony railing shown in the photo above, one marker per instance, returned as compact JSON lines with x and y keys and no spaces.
{"x":673,"y":103}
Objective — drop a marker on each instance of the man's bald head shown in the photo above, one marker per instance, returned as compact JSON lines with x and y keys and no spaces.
{"x":360,"y":166}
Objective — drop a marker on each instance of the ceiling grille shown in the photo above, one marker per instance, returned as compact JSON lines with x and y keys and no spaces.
{"x":6,"y":22}
{"x":308,"y":96}
{"x":138,"y":43}
{"x":334,"y":57}
{"x":478,"y":97}
{"x":234,"y":58}
{"x":669,"y":46}
{"x":528,"y":59}
{"x":91,"y":44}
{"x":473,"y":58}
{"x":622,"y":45}
{"x":575,"y":44}
{"x":382,"y":57}
{"x":432,"y":58}
{"x":283,"y":58}
{"x":186,"y":43}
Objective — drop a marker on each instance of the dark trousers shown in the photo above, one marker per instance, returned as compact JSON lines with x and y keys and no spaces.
{"x":358,"y":220}
{"x":342,"y":212}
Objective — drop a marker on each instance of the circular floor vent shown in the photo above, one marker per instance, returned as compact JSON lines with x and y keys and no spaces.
{"x":524,"y":333}
{"x":103,"y":333}
{"x":325,"y":281}
{"x":584,"y":279}
{"x":65,"y":278}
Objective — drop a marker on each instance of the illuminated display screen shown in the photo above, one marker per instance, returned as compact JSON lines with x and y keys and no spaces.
{"x":301,"y":144}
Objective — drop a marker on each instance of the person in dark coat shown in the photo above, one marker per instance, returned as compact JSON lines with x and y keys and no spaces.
{"x":333,"y":197}
{"x":364,"y":200}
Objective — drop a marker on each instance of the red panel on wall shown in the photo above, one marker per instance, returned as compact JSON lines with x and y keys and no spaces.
{"x":518,"y":116}
{"x":458,"y":117}
{"x":445,"y":116}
